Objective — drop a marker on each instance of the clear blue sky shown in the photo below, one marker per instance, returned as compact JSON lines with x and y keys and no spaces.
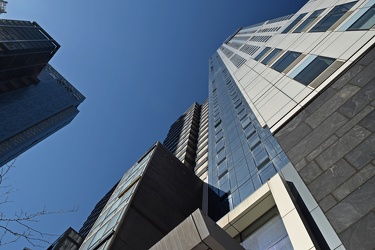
{"x":140,"y":64}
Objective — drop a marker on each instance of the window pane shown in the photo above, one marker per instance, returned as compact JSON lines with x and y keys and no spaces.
{"x":294,"y":23}
{"x":366,"y":21}
{"x":262,"y":53}
{"x":309,"y":20}
{"x":335,"y":14}
{"x":313,"y":70}
{"x":271,"y":235}
{"x":285,"y":61}
{"x":274,"y":53}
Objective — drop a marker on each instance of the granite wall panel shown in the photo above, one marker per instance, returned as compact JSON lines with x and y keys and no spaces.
{"x":331,"y":143}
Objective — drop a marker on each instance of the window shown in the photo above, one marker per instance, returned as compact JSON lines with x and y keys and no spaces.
{"x":366,"y":21}
{"x":313,"y":70}
{"x":268,"y":232}
{"x":289,"y":57}
{"x":262,"y":53}
{"x":238,"y":61}
{"x":274,"y":53}
{"x":309,"y":20}
{"x":335,"y":14}
{"x":294,"y":23}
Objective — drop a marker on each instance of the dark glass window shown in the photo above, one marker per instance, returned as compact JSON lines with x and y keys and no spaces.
{"x":293,"y":23}
{"x":262,"y":53}
{"x":268,"y":58}
{"x":309,"y":20}
{"x":366,"y":21}
{"x":285,"y":60}
{"x":335,"y":14}
{"x":313,"y":70}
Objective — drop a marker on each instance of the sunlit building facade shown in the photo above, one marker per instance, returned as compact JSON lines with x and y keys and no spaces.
{"x":291,"y":149}
{"x":284,"y":146}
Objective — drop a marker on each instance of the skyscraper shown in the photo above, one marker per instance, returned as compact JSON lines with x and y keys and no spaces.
{"x":25,"y":50}
{"x":285,"y":143}
{"x":154,"y":196}
{"x":29,"y":115}
{"x":183,"y":135}
{"x":3,"y":6}
{"x":35,"y":100}
{"x":291,"y":147}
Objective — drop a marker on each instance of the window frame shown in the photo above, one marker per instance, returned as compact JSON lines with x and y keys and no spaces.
{"x":332,"y":17}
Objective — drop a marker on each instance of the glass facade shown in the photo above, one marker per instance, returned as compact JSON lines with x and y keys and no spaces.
{"x":314,"y":69}
{"x":28,"y":115}
{"x":116,"y":207}
{"x":366,"y":21}
{"x":285,"y":61}
{"x":242,"y":154}
{"x":308,"y":21}
{"x":25,"y":49}
{"x":332,"y":17}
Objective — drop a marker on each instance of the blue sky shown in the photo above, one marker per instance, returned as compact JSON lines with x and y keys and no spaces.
{"x":140,"y":64}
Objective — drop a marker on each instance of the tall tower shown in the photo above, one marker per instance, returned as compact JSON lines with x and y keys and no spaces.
{"x":154,"y":196}
{"x":29,"y":115}
{"x":25,"y":49}
{"x":3,"y":4}
{"x":183,"y":135}
{"x":289,"y":162}
{"x":290,"y":99}
{"x":35,"y":100}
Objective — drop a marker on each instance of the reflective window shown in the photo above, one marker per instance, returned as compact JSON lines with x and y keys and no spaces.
{"x":309,"y":20}
{"x":335,"y":14}
{"x":313,"y":70}
{"x":271,"y":235}
{"x":262,"y":53}
{"x":366,"y":21}
{"x":293,"y":23}
{"x":272,"y":55}
{"x":289,"y":57}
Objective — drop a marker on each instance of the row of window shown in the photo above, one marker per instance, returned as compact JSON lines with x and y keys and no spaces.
{"x":6,"y":22}
{"x":364,"y":22}
{"x":21,"y":33}
{"x":260,"y":38}
{"x":238,"y":61}
{"x":243,"y":154}
{"x":234,"y":44}
{"x":306,"y":74}
{"x":269,"y":29}
{"x":227,"y":52}
{"x":241,"y":38}
{"x":249,"y":49}
{"x":280,"y":19}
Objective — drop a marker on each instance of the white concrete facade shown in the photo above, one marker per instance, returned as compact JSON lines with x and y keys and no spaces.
{"x":261,"y":85}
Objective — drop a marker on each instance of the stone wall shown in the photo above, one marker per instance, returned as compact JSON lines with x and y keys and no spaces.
{"x":331,"y":143}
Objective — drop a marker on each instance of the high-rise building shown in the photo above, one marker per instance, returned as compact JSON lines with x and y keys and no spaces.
{"x":187,"y":138}
{"x":25,"y":50}
{"x":183,"y":135}
{"x":29,"y":115}
{"x":285,"y":143}
{"x":291,"y":134}
{"x":87,"y":225}
{"x":154,"y":196}
{"x":3,"y":6}
{"x":35,"y":100}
